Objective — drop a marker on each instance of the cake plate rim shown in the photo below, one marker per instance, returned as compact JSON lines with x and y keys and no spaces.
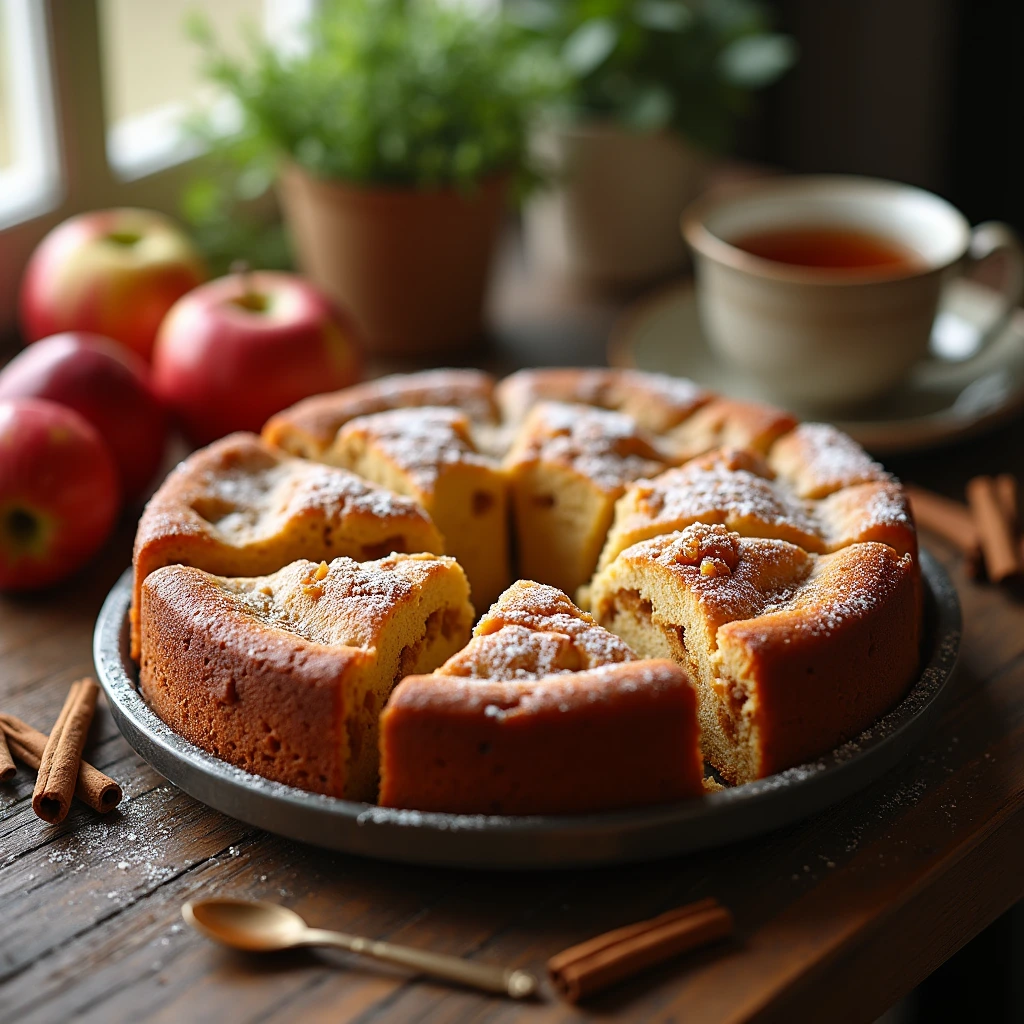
{"x":535,"y":841}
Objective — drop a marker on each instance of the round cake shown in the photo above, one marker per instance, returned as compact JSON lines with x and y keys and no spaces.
{"x":701,"y":580}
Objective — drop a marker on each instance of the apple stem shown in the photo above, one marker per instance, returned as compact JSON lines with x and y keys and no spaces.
{"x":244,"y":272}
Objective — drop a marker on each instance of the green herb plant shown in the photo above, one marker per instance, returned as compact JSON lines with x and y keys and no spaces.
{"x":687,"y":65}
{"x":408,"y":94}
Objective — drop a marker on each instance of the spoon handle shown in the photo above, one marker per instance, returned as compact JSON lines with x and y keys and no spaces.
{"x":515,"y":983}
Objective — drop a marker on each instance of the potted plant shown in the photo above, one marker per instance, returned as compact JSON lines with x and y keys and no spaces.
{"x":394,"y":136}
{"x":655,"y":88}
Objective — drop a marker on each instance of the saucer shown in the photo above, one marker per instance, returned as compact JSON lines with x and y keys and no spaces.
{"x":941,"y":400}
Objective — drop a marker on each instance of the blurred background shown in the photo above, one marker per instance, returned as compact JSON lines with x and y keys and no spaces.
{"x":117,"y":103}
{"x":93,"y":93}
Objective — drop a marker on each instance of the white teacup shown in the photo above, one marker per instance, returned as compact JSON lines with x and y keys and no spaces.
{"x":825,"y":336}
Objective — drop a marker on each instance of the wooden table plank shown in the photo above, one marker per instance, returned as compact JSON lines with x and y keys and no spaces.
{"x":883,"y":886}
{"x":813,"y":881}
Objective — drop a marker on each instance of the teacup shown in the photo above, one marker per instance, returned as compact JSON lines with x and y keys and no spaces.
{"x":830,"y":327}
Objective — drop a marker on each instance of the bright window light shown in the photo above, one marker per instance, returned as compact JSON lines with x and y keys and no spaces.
{"x":152,"y":77}
{"x":29,"y":173}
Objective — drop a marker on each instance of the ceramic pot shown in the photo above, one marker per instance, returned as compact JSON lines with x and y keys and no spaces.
{"x":612,"y":217}
{"x":411,"y":266}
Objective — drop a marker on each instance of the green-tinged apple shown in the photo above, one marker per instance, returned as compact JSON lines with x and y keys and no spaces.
{"x":109,"y":272}
{"x":234,"y":351}
{"x":59,"y":492}
{"x":109,"y":386}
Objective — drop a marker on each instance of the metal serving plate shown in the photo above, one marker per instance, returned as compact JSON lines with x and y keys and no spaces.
{"x":486,"y":841}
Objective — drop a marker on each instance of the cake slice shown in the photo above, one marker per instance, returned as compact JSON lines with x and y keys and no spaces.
{"x":310,"y":427}
{"x":656,"y":401}
{"x":567,"y":468}
{"x":534,"y":630}
{"x":429,"y":455}
{"x":241,"y":508}
{"x":731,"y":486}
{"x":285,"y":675}
{"x":819,"y":460}
{"x":728,"y":423}
{"x":738,"y":489}
{"x":543,"y":712}
{"x":793,"y":653}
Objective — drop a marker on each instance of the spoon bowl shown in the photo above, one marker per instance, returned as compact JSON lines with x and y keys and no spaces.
{"x":250,"y":925}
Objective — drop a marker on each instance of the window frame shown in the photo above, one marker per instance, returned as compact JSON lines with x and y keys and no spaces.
{"x":84,"y":175}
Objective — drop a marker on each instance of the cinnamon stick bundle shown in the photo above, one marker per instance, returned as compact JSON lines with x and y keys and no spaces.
{"x":583,"y":970}
{"x":995,"y":530}
{"x":8,"y":768}
{"x":93,"y":788}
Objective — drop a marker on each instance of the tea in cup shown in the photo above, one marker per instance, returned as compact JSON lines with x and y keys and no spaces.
{"x":826,"y":288}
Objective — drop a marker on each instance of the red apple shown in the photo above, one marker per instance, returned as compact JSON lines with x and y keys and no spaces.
{"x":58,"y":492}
{"x":109,"y":386}
{"x":233,"y":352}
{"x":111,"y":272}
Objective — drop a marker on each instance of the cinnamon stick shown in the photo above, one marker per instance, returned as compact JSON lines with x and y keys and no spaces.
{"x":591,"y":966}
{"x":950,"y":519}
{"x":998,"y":541}
{"x":98,"y":791}
{"x":58,"y":768}
{"x":8,"y":768}
{"x":1008,"y":494}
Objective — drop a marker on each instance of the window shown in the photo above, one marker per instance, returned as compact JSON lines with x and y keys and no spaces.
{"x":29,"y":175}
{"x":72,"y":70}
{"x":151,"y":76}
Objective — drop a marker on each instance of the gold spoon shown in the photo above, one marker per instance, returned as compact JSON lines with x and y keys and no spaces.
{"x":266,"y":927}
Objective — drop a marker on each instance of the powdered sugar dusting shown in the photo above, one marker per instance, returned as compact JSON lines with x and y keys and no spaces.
{"x":819,"y":459}
{"x":422,"y":441}
{"x":608,"y":448}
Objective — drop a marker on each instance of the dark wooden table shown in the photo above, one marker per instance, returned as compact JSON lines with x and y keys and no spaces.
{"x":836,"y":918}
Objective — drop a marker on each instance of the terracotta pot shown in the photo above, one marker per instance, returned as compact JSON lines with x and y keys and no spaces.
{"x":411,"y":266}
{"x":613,"y":216}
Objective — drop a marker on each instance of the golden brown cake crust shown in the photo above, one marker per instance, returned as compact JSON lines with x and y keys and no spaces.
{"x":821,"y":460}
{"x":727,"y":423}
{"x":580,"y":446}
{"x":739,"y":490}
{"x":284,"y":674}
{"x":422,"y":441}
{"x":429,"y":454}
{"x":534,"y":630}
{"x":655,"y":401}
{"x":619,"y":736}
{"x":309,"y":427}
{"x":543,"y":712}
{"x":239,"y":507}
{"x":834,"y":657}
{"x":606,"y":448}
{"x":795,"y":652}
{"x":258,"y":698}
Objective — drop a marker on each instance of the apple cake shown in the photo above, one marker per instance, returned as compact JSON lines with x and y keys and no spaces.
{"x":655,"y":401}
{"x":429,"y":454}
{"x":738,"y":489}
{"x":285,"y":675}
{"x":568,"y":466}
{"x":241,"y":508}
{"x":543,"y":712}
{"x":310,"y":427}
{"x":792,"y":652}
{"x":772,"y":563}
